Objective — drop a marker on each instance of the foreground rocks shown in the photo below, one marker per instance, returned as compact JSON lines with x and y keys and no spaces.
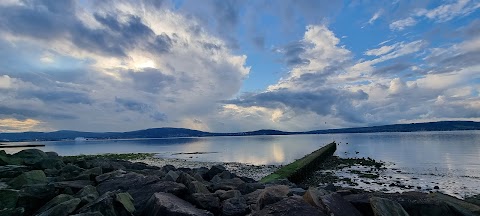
{"x":33,"y":182}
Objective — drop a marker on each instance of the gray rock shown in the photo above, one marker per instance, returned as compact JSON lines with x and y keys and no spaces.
{"x":289,"y":206}
{"x":12,"y":171}
{"x":230,"y":194}
{"x":70,"y":171}
{"x":227,"y":184}
{"x":386,"y":207}
{"x":252,"y":198}
{"x":473,"y":199}
{"x":106,"y":164}
{"x":32,"y":197}
{"x":235,"y":206}
{"x":141,"y":187}
{"x":208,"y":202}
{"x":296,"y":191}
{"x":272,"y":195}
{"x":49,"y":163}
{"x":168,"y":168}
{"x":87,"y":194}
{"x":55,"y":201}
{"x":250,"y":187}
{"x":30,"y":156}
{"x":29,"y":178}
{"x":93,"y":172}
{"x":74,"y":185}
{"x":62,"y":209}
{"x":105,"y":204}
{"x":168,"y":204}
{"x":457,"y":204}
{"x":336,"y":205}
{"x":313,"y":196}
{"x":110,"y":175}
{"x":171,"y":176}
{"x":126,"y":201}
{"x":8,"y":198}
{"x":89,"y":214}
{"x":11,"y":212}
{"x":213,"y":171}
{"x":197,"y":187}
{"x":185,"y":178}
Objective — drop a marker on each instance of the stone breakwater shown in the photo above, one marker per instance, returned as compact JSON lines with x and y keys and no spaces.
{"x":33,"y":182}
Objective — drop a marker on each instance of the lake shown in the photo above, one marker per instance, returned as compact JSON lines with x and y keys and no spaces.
{"x":450,"y":159}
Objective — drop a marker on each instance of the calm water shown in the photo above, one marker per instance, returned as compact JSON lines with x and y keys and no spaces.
{"x":450,"y":160}
{"x":449,"y":150}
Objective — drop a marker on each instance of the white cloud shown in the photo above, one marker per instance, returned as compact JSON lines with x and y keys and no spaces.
{"x":448,"y":12}
{"x":375,"y":16}
{"x":400,"y":25}
{"x":380,"y":51}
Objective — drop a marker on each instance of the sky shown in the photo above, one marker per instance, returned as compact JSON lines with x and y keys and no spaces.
{"x":228,"y":65}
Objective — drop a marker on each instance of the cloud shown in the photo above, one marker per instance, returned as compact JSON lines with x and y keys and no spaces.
{"x":400,"y":25}
{"x":375,"y":16}
{"x":380,"y":51}
{"x":15,"y":125}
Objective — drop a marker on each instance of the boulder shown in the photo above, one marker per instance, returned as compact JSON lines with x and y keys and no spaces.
{"x":197,"y":187}
{"x":30,"y":156}
{"x":52,"y":154}
{"x":250,"y":187}
{"x":230,"y":194}
{"x":141,"y":187}
{"x":93,"y":172}
{"x":89,"y":214}
{"x":168,"y":168}
{"x":87,"y":194}
{"x":386,"y":207}
{"x":11,"y":212}
{"x":296,"y":191}
{"x":109,"y":175}
{"x":473,"y":199}
{"x":235,"y":206}
{"x":32,"y":197}
{"x":227,"y":184}
{"x":29,"y":178}
{"x":313,"y":196}
{"x":4,"y":158}
{"x":62,"y":209}
{"x":214,"y":170}
{"x":49,"y":163}
{"x":107,"y":165}
{"x":208,"y":202}
{"x":185,"y":178}
{"x":272,"y":195}
{"x":459,"y":205}
{"x":70,"y":171}
{"x":289,"y":206}
{"x":171,"y":176}
{"x":74,"y":185}
{"x":126,"y":201}
{"x":337,"y":206}
{"x":55,"y":201}
{"x":168,"y":204}
{"x":8,"y":198}
{"x":12,"y":171}
{"x":106,"y":205}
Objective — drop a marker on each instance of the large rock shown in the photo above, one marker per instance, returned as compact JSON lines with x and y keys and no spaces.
{"x":49,"y":163}
{"x":141,"y":187}
{"x":227,"y":184}
{"x":107,"y":165}
{"x":235,"y":206}
{"x":92,"y":173}
{"x":87,"y":194}
{"x":230,"y":194}
{"x":185,"y":178}
{"x":459,"y":205}
{"x":473,"y":199}
{"x":32,"y":197}
{"x":30,"y":156}
{"x":197,"y":187}
{"x":168,"y":204}
{"x":89,"y":214}
{"x":76,"y":185}
{"x":29,"y":178}
{"x":70,"y":171}
{"x":110,"y":175}
{"x":386,"y":207}
{"x":208,"y":202}
{"x":126,"y":201}
{"x":272,"y":195}
{"x":336,"y":205}
{"x":214,"y":170}
{"x":11,"y":212}
{"x":12,"y":171}
{"x":106,"y":204}
{"x":8,"y":198}
{"x":289,"y":206}
{"x":55,"y":201}
{"x":247,"y":188}
{"x":313,"y":196}
{"x":171,"y":176}
{"x":62,"y":209}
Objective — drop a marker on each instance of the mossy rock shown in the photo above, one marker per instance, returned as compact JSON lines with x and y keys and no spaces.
{"x":126,"y":200}
{"x":8,"y":198}
{"x":29,"y":178}
{"x":55,"y":201}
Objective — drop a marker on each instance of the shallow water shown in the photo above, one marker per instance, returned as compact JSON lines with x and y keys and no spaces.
{"x":449,"y":159}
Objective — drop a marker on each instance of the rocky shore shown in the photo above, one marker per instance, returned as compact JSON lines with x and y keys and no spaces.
{"x":33,"y":182}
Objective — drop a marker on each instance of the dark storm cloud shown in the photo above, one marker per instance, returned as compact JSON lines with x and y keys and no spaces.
{"x":48,"y":21}
{"x":323,"y":102}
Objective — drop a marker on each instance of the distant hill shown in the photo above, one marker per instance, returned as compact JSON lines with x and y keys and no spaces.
{"x":182,"y":132}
